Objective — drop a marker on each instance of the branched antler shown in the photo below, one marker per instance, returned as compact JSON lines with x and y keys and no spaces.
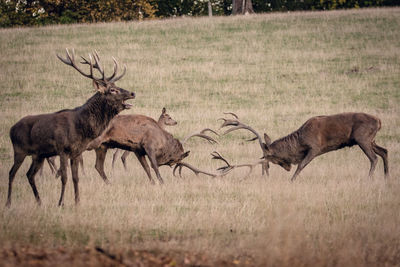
{"x":202,"y":135}
{"x":237,"y":125}
{"x":196,"y":171}
{"x":228,"y":168}
{"x":222,"y":171}
{"x":70,"y":60}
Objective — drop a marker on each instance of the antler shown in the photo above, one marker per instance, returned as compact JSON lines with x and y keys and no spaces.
{"x":70,"y":60}
{"x":239,"y":125}
{"x":228,"y":168}
{"x":194,"y":169}
{"x":222,"y":171}
{"x":202,"y":135}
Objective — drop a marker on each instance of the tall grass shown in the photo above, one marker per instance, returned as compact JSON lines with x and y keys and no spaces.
{"x":275,"y":71}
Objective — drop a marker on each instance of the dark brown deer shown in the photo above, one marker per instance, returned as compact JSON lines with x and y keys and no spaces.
{"x":320,"y":135}
{"x":163,"y":121}
{"x":143,"y":136}
{"x":67,"y":132}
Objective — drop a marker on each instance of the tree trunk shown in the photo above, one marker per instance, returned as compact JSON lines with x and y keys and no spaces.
{"x":209,"y":9}
{"x":242,"y":7}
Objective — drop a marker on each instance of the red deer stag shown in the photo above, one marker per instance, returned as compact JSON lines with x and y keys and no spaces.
{"x":143,"y":136}
{"x":163,"y":121}
{"x":319,"y":135}
{"x":67,"y":132}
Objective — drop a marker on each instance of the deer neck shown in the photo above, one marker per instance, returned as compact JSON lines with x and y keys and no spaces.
{"x":161,"y":124}
{"x":95,"y":115}
{"x":288,"y":148}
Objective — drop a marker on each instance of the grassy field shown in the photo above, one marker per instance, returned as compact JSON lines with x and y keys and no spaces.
{"x":275,"y":71}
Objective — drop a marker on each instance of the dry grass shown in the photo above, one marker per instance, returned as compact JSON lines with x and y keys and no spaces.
{"x":275,"y":71}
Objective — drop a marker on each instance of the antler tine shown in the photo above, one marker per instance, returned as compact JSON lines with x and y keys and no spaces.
{"x":209,"y":130}
{"x":85,"y":61}
{"x":194,"y":169}
{"x":177,"y":166}
{"x":113,"y":78}
{"x":216,"y":155}
{"x":70,"y":60}
{"x":233,"y":114}
{"x":239,"y":125}
{"x":202,"y":134}
{"x":99,"y":67}
{"x":227,"y":169}
{"x":115,"y":69}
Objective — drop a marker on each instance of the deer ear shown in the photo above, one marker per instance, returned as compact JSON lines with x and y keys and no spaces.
{"x":164,"y":110}
{"x":267,"y":139}
{"x":99,"y":87}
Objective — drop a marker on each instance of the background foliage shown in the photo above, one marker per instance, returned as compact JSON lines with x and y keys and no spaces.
{"x":42,"y":12}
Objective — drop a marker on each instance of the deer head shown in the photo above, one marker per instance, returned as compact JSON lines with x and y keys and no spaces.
{"x":165,"y":119}
{"x":271,"y":156}
{"x":114,"y":95}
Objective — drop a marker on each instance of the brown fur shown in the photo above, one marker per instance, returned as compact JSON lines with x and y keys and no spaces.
{"x":65,"y":133}
{"x":163,"y":121}
{"x":143,"y":136}
{"x":322,"y":134}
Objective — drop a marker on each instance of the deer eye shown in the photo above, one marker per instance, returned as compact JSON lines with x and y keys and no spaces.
{"x":114,"y":91}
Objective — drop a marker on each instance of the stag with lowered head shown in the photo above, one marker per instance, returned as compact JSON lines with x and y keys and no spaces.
{"x":143,"y":136}
{"x":320,"y":135}
{"x":163,"y":121}
{"x":67,"y":132}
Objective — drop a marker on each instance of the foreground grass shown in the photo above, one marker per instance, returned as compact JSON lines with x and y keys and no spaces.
{"x":274,"y":71}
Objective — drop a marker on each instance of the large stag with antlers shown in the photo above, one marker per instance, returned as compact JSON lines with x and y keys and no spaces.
{"x":67,"y":132}
{"x":320,"y":135}
{"x":143,"y":136}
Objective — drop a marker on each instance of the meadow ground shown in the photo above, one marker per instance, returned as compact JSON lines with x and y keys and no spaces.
{"x":275,"y":71}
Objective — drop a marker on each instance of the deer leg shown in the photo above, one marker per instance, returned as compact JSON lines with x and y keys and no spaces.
{"x":143,"y":162}
{"x":383,"y":153}
{"x":307,"y":159}
{"x":18,"y":159}
{"x":123,"y":158}
{"x":64,"y":177}
{"x":75,"y":177}
{"x":41,"y":171}
{"x":100,"y":157}
{"x":80,"y":160}
{"x":368,"y":150}
{"x":37,"y":163}
{"x":154,"y":164}
{"x":115,"y":155}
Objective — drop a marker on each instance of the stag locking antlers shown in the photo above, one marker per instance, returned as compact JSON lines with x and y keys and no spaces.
{"x":319,"y":135}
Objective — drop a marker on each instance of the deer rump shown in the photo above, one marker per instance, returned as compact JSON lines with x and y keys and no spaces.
{"x":143,"y":136}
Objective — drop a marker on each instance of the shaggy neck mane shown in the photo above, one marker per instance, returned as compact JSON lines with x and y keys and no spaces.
{"x":287,"y":143}
{"x":94,"y":115}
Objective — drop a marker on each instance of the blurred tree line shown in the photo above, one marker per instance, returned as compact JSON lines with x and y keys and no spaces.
{"x":43,"y":12}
